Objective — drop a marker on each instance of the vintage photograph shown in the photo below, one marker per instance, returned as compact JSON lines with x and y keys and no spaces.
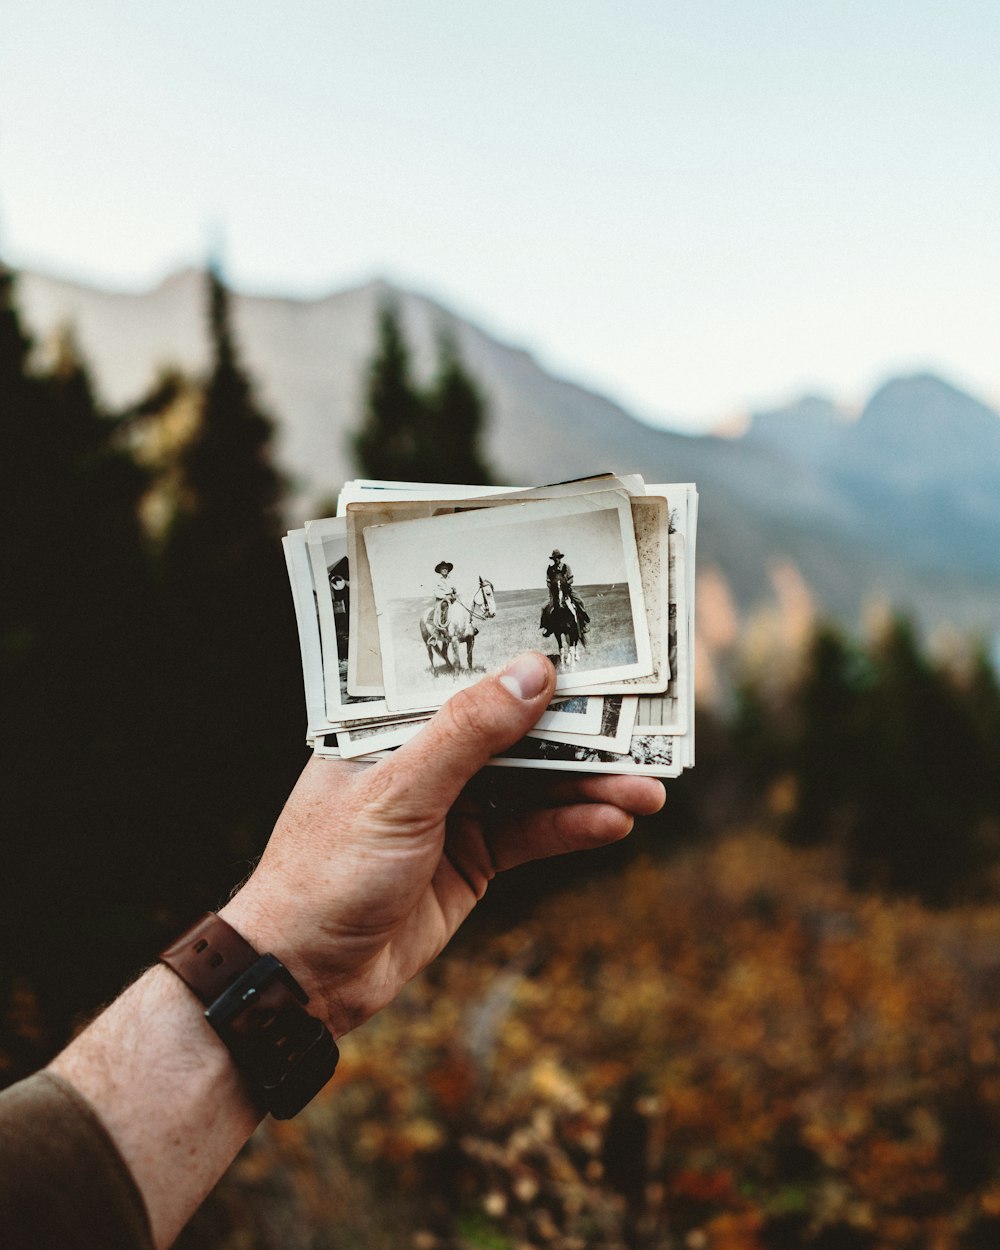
{"x":459,"y":595}
{"x":651,"y":523}
{"x":592,"y":719}
{"x":648,"y":755}
{"x":326,"y":543}
{"x":667,"y":712}
{"x":307,"y":622}
{"x":365,"y":505}
{"x":614,"y":733}
{"x":361,"y":740}
{"x":322,"y":581}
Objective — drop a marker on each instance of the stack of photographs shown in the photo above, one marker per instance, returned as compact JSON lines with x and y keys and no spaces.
{"x":414,"y":590}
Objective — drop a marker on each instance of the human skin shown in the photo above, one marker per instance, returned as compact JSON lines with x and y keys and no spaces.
{"x":369,"y":871}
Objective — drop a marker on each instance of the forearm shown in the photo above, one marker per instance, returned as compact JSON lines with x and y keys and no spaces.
{"x":366,"y":877}
{"x":166,"y":1089}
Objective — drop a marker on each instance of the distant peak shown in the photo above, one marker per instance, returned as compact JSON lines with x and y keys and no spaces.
{"x":917,"y":383}
{"x":808,"y":412}
{"x":184,"y":277}
{"x":923,"y":397}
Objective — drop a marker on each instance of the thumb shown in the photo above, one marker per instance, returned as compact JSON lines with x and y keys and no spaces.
{"x":474,"y":725}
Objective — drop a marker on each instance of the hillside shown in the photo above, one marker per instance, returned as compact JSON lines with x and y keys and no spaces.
{"x":902,"y":504}
{"x":736,"y":1053}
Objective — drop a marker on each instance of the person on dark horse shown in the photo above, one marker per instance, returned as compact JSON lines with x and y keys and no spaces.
{"x":559,"y":579}
{"x":340,"y":594}
{"x":445,"y":594}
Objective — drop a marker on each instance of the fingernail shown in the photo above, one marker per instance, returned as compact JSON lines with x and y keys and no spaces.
{"x":526,"y":676}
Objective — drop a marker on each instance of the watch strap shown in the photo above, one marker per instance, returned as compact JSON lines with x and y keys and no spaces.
{"x":258,"y":1010}
{"x":209,"y":957}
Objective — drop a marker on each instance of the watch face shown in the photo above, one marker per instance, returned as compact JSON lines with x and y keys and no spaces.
{"x":257,"y":1008}
{"x":285,"y":1055}
{"x":305,"y":1076}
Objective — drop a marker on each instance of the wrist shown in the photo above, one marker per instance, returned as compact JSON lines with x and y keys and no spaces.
{"x":159,"y":1079}
{"x":284,"y":1053}
{"x":257,"y":923}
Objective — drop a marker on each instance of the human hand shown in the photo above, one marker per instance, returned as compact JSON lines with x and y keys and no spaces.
{"x":371,"y":868}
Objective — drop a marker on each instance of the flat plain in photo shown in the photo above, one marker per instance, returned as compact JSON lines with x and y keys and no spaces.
{"x":509,"y":547}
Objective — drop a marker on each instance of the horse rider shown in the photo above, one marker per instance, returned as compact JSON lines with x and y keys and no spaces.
{"x":557,"y":575}
{"x":340,"y":593}
{"x":445,"y":594}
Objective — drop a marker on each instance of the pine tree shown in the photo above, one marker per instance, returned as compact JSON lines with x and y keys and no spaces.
{"x":232,"y":490}
{"x":394,"y":440}
{"x":235,"y":703}
{"x":921,"y":795}
{"x":75,"y":654}
{"x":419,"y":434}
{"x":25,"y":447}
{"x":826,"y":749}
{"x":457,"y":411}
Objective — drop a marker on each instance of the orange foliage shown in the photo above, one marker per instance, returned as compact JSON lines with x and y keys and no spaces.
{"x":727,"y":1052}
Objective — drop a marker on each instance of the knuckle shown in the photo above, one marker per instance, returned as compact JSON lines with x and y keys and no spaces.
{"x":463,"y":715}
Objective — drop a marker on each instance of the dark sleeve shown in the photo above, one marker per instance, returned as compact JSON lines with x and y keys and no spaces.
{"x":62,"y":1181}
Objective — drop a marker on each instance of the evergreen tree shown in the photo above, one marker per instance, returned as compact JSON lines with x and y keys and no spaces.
{"x":394,"y":440}
{"x":825,"y":752}
{"x":457,"y":411}
{"x":75,"y":654}
{"x":25,"y":447}
{"x":234,"y":708}
{"x":921,"y":792}
{"x":231,"y":509}
{"x":414,"y":434}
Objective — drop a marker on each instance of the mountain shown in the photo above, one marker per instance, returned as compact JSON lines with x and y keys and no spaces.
{"x":900,"y":503}
{"x":920,"y":468}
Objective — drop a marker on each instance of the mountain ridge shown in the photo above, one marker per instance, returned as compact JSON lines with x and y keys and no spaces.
{"x":881,"y":504}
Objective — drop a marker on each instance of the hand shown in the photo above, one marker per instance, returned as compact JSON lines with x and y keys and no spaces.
{"x":372,"y":868}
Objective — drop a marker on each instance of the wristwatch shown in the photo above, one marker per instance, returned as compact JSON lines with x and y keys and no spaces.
{"x":257,"y":1008}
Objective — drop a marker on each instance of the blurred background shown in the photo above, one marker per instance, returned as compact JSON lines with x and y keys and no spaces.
{"x":251,"y":251}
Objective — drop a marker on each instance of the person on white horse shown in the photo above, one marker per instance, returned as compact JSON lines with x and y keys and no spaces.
{"x":445,"y":594}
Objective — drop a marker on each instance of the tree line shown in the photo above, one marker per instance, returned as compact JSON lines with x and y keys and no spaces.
{"x":883,"y":752}
{"x":149,"y":666}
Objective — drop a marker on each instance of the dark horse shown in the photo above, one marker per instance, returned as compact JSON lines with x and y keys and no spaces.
{"x":568,"y":620}
{"x":460,"y":627}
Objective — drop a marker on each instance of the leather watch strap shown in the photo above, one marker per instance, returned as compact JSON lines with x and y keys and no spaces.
{"x":209,"y":957}
{"x":258,"y":1010}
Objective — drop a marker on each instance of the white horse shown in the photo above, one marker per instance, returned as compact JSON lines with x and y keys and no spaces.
{"x":460,"y":627}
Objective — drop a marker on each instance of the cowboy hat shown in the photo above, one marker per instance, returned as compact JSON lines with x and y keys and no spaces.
{"x":556,"y":554}
{"x":444,"y":568}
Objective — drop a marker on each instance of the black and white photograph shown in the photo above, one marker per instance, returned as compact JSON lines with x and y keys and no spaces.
{"x":359,"y":740}
{"x":326,"y":543}
{"x":648,"y":755}
{"x":587,"y":719}
{"x":325,"y":584}
{"x":456,"y":596}
{"x":667,"y":712}
{"x":651,"y":523}
{"x":368,"y":504}
{"x":614,"y":732}
{"x":307,"y":622}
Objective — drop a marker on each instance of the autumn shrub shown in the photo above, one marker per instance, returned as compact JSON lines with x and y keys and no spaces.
{"x":731,"y":1051}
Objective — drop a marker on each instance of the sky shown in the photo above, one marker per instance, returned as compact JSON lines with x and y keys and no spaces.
{"x":511,"y":547}
{"x":698,"y":207}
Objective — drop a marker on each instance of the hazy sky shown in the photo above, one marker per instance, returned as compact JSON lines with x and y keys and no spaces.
{"x":696,"y":206}
{"x":509,"y":546}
